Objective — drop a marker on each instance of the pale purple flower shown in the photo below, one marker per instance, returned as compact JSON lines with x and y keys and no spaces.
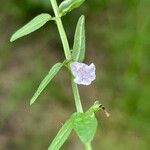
{"x":84,"y":74}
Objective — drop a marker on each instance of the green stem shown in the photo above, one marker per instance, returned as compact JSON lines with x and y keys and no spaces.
{"x":77,"y":97}
{"x":68,"y":57}
{"x":79,"y":106}
{"x":61,"y":30}
{"x":88,"y":146}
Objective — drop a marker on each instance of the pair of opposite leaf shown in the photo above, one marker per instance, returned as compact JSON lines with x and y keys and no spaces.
{"x":65,"y":7}
{"x":85,"y":125}
{"x":83,"y":73}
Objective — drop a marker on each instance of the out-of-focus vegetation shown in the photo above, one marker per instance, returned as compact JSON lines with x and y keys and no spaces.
{"x":118,"y":42}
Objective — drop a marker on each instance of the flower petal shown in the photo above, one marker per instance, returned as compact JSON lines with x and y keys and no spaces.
{"x":84,"y":74}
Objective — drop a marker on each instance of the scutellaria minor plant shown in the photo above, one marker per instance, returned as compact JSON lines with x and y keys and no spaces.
{"x":84,"y":123}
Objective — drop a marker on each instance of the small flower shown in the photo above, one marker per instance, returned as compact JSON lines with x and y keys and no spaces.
{"x":84,"y":74}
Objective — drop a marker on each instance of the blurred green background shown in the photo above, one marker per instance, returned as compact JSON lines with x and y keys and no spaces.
{"x":118,"y":42}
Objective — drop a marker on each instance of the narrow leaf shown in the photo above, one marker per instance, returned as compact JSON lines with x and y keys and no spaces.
{"x":61,"y":136}
{"x":53,"y":71}
{"x":32,"y":26}
{"x":78,"y":53}
{"x":85,"y":126}
{"x":68,"y":5}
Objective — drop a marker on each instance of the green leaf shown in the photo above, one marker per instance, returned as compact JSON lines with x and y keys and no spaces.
{"x":61,"y":136}
{"x":85,"y":125}
{"x":53,"y":71}
{"x":68,"y":5}
{"x":96,"y":107}
{"x":30,"y":27}
{"x":78,"y":53}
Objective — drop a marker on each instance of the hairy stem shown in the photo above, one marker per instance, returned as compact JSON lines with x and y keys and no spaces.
{"x":68,"y":57}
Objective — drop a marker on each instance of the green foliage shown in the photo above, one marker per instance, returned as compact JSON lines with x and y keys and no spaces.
{"x":96,"y":107}
{"x":53,"y":71}
{"x":117,"y":28}
{"x":85,"y":125}
{"x":32,"y":26}
{"x":68,"y":5}
{"x":78,"y":53}
{"x":61,"y":136}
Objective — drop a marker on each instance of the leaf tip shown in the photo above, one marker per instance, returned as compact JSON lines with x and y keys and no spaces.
{"x":83,"y":17}
{"x":11,"y":39}
{"x":32,"y":101}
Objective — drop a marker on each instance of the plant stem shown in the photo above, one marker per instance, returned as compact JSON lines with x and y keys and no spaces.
{"x":88,"y":146}
{"x":79,"y":106}
{"x":68,"y":57}
{"x":77,"y":97}
{"x":61,"y":30}
{"x":67,"y":52}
